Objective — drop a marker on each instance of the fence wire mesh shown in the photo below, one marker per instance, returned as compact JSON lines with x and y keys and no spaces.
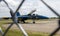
{"x":14,"y":19}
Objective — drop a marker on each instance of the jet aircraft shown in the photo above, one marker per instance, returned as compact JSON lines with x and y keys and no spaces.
{"x":22,"y":18}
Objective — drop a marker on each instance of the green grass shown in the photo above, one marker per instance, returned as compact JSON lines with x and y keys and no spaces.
{"x":14,"y":33}
{"x":5,"y":22}
{"x":19,"y":33}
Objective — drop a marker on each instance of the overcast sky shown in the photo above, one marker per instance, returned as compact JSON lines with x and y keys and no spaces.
{"x":30,"y":5}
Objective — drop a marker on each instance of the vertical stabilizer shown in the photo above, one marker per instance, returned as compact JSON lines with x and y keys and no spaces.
{"x":17,"y":14}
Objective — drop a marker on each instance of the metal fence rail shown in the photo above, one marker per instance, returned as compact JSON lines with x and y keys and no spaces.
{"x":14,"y":19}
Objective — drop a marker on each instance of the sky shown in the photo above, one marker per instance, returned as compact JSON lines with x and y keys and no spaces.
{"x":30,"y":5}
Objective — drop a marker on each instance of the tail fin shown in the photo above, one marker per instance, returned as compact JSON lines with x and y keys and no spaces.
{"x":17,"y":14}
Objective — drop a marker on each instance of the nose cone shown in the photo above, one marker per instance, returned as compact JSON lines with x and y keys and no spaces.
{"x":43,"y":17}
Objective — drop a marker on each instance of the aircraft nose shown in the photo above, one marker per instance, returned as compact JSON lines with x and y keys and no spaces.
{"x":44,"y":17}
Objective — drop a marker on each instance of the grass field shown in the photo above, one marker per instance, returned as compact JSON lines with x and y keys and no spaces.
{"x":19,"y":33}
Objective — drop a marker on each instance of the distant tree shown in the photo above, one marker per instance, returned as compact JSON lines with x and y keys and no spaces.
{"x":54,"y":18}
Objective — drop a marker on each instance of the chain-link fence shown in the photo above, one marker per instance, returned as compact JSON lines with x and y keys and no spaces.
{"x":57,"y":15}
{"x":14,"y":19}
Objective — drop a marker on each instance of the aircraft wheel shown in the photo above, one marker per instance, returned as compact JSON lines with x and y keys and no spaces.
{"x":18,"y":21}
{"x":33,"y":22}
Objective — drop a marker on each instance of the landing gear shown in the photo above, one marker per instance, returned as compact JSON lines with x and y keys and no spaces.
{"x":34,"y":22}
{"x":18,"y":21}
{"x":33,"y":18}
{"x":23,"y":21}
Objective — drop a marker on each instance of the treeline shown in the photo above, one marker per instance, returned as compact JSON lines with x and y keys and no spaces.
{"x":53,"y":18}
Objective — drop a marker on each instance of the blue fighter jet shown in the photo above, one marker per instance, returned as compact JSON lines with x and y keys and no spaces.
{"x":22,"y":18}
